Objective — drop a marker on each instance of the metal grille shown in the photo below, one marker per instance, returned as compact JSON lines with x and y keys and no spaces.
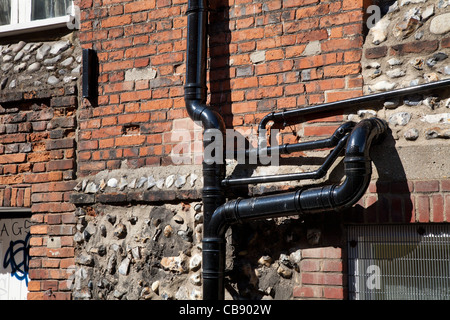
{"x":399,"y":262}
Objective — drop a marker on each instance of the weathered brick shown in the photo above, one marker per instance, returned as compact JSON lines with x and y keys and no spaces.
{"x":59,"y":144}
{"x":445,"y":43}
{"x":426,"y":186}
{"x":426,"y":46}
{"x":376,"y":52}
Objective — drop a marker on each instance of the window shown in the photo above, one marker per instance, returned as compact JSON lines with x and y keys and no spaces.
{"x":399,"y":262}
{"x":20,"y":16}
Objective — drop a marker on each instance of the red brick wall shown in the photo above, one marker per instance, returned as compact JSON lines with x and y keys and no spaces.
{"x":152,"y":34}
{"x":37,"y":156}
{"x":134,"y":116}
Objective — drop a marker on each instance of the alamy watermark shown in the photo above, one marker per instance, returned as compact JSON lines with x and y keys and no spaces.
{"x":231,"y":145}
{"x":375,"y":16}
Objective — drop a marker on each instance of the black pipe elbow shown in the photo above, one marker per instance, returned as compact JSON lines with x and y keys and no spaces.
{"x":357,"y":168}
{"x":210,"y":119}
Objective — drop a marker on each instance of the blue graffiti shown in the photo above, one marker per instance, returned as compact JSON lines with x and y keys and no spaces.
{"x":19,"y":269}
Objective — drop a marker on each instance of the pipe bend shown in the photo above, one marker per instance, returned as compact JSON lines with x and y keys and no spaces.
{"x":222,"y":218}
{"x":199,"y":111}
{"x":357,"y":168}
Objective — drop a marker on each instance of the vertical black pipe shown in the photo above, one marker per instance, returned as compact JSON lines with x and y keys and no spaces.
{"x":213,"y":172}
{"x":197,"y":17}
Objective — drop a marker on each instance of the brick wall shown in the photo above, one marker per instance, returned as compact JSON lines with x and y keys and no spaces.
{"x":37,"y":155}
{"x":141,"y":48}
{"x":264,"y":56}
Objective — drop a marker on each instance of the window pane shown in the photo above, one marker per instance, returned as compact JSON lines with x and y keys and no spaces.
{"x":5,"y":12}
{"x":43,"y":9}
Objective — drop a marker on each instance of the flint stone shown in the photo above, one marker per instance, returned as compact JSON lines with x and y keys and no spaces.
{"x":174,"y":264}
{"x":380,"y":31}
{"x":411,"y":134}
{"x":124,"y":266}
{"x":160,"y":183}
{"x":195,"y":262}
{"x":112,"y":183}
{"x":437,"y":118}
{"x":373,"y":65}
{"x":442,"y":4}
{"x":123,"y":183}
{"x":151,"y":182}
{"x":439,"y":24}
{"x":391,"y":104}
{"x":19,"y":56}
{"x":196,"y":279}
{"x":141,"y":182}
{"x":67,"y":62}
{"x":265,"y":261}
{"x":193,"y":179}
{"x":400,"y":118}
{"x":20,"y":67}
{"x":284,"y":272}
{"x":445,"y":70}
{"x":155,"y":286}
{"x":132,"y":184}
{"x":413,"y":100}
{"x":419,"y":35}
{"x":383,"y":86}
{"x":85,"y":260}
{"x":120,"y":231}
{"x":396,"y":73}
{"x":42,"y":51}
{"x":431,"y":77}
{"x":17,"y":47}
{"x":91,"y":188}
{"x":3,"y":83}
{"x":6,"y":66}
{"x":34,"y":67}
{"x":59,"y":47}
{"x":427,"y":13}
{"x":437,"y":132}
{"x":111,"y":266}
{"x":417,"y":63}
{"x":51,"y":61}
{"x":170,"y":180}
{"x":7,"y":58}
{"x":394,"y":62}
{"x":181,"y":181}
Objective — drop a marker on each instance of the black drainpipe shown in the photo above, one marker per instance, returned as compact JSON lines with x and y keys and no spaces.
{"x":218,"y":215}
{"x":358,"y":170}
{"x":195,"y":98}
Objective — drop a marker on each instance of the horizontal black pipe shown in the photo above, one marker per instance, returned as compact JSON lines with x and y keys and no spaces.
{"x":288,"y":148}
{"x":357,"y":167}
{"x":295,"y":114}
{"x":316,"y":174}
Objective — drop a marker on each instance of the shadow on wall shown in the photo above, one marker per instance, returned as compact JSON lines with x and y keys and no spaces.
{"x":388,"y":200}
{"x":261,"y":257}
{"x":219,"y":65}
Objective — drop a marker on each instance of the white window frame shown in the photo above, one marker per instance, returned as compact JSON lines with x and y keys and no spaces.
{"x":21,"y":20}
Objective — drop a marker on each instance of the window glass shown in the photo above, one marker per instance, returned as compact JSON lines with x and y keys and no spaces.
{"x":5,"y":12}
{"x":44,"y":9}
